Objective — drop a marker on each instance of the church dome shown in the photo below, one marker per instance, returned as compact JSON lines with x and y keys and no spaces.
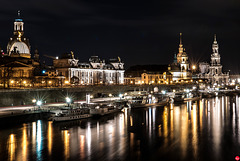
{"x":20,"y":47}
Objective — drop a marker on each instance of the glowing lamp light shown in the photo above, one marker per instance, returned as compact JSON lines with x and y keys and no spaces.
{"x":39,"y":103}
{"x":120,"y":95}
{"x":66,"y":82}
{"x":34,"y":101}
{"x":163,"y":92}
{"x":110,"y":95}
{"x":50,"y":82}
{"x":12,"y":81}
{"x":24,"y":82}
{"x":68,"y":100}
{"x":193,"y":67}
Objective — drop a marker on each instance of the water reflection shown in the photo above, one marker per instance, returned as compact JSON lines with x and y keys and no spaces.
{"x":11,"y":147}
{"x":66,"y":143}
{"x":198,"y":130}
{"x":24,"y":143}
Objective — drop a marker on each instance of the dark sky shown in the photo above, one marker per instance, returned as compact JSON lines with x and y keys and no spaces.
{"x":140,"y":32}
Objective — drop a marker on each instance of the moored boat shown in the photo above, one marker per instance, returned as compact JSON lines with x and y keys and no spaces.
{"x":72,"y":114}
{"x":101,"y":110}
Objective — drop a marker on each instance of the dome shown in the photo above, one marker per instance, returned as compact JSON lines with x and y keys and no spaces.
{"x":21,"y":48}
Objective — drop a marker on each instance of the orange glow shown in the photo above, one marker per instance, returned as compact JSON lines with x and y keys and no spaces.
{"x":11,"y":147}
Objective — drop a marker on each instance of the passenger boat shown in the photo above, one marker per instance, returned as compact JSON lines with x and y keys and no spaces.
{"x":101,"y":110}
{"x":72,"y":114}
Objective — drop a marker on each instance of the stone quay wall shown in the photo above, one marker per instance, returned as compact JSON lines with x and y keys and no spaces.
{"x":18,"y":97}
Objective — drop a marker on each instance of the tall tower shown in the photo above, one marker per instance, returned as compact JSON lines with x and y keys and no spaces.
{"x":216,"y":67}
{"x":215,"y":57}
{"x":18,"y":25}
{"x":182,"y":57}
{"x":18,"y":46}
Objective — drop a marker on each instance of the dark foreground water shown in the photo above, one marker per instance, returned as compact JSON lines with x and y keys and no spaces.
{"x":205,"y":130}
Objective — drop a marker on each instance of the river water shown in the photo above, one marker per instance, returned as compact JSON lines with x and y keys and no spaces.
{"x":208,"y":129}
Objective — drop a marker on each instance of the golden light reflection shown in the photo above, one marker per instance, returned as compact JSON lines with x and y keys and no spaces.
{"x":165,"y":126}
{"x":171,"y":123}
{"x":194,"y":131}
{"x":50,"y":137}
{"x":131,"y":121}
{"x":24,"y":143}
{"x":11,"y":147}
{"x":82,"y":145}
{"x":34,"y":130}
{"x":184,"y":130}
{"x":66,"y":144}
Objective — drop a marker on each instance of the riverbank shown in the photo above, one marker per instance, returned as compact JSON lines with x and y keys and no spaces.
{"x":16,"y":97}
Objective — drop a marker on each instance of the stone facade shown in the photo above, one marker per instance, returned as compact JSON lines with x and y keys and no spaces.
{"x":180,"y":66}
{"x":94,"y":72}
{"x":213,"y":71}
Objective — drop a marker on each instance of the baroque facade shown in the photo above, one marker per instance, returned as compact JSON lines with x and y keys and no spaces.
{"x":180,"y":66}
{"x":213,"y":71}
{"x":18,"y":68}
{"x":95,"y":72}
{"x":16,"y":65}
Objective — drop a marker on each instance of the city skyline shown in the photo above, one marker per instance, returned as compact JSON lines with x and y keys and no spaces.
{"x":128,"y":30}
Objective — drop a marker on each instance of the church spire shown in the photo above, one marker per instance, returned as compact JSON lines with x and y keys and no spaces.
{"x":180,"y":45}
{"x":18,"y":24}
{"x":19,"y":13}
{"x":215,"y":45}
{"x":215,"y":39}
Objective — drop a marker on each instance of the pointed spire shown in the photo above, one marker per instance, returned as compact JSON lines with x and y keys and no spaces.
{"x":19,"y":13}
{"x":215,"y":39}
{"x":180,"y":38}
{"x":180,"y":45}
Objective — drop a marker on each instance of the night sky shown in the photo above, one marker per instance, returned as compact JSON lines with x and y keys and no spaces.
{"x":140,"y":32}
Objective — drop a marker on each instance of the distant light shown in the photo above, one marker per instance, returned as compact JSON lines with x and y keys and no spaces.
{"x":66,"y":82}
{"x":12,"y":81}
{"x":34,"y":101}
{"x":56,"y":57}
{"x":110,"y":95}
{"x":163,"y":92}
{"x":193,"y":67}
{"x":120,"y":95}
{"x":44,"y":71}
{"x":68,"y":100}
{"x":24,"y":82}
{"x":39,"y":103}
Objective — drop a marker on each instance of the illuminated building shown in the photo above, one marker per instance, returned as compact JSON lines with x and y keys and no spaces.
{"x":16,"y":66}
{"x":180,"y":66}
{"x":213,"y":71}
{"x":148,"y":74}
{"x":94,"y":72}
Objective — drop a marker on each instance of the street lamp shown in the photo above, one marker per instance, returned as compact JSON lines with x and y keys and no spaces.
{"x":68,"y":100}
{"x":34,"y":103}
{"x":39,"y":103}
{"x":193,"y":67}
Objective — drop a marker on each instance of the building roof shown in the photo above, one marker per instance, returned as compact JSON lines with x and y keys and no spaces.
{"x":20,"y":47}
{"x":137,"y":70}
